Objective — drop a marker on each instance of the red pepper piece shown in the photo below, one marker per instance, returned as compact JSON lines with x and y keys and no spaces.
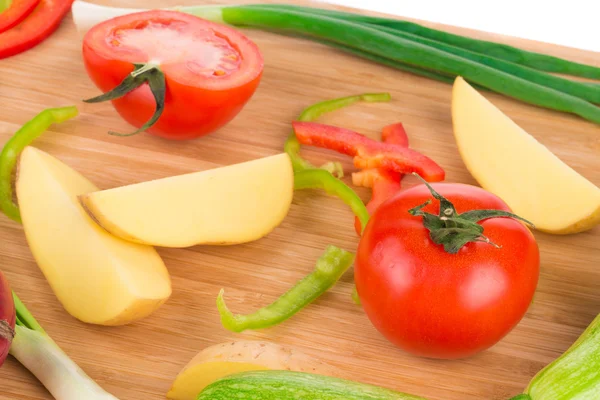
{"x":395,"y":134}
{"x":36,"y":27}
{"x":385,"y":183}
{"x":16,"y":12}
{"x":368,"y":153}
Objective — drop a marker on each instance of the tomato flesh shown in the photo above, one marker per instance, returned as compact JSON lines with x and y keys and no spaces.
{"x":211,"y":70}
{"x":436,"y":304}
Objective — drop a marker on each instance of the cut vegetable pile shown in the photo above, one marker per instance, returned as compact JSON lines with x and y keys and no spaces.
{"x":442,"y":270}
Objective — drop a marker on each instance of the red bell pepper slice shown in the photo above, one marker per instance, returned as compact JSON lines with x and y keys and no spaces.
{"x":384,"y":183}
{"x":395,"y":134}
{"x":368,"y":153}
{"x":36,"y":27}
{"x":16,"y":12}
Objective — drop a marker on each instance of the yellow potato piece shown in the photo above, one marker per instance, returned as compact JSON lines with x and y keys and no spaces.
{"x":229,"y":205}
{"x":510,"y":163}
{"x":98,"y":278}
{"x":224,"y":359}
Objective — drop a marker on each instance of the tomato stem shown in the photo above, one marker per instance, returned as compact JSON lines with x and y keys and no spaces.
{"x":454,"y":230}
{"x":143,"y":73}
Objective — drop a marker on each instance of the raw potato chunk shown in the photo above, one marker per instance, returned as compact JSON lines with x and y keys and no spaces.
{"x":225,"y":359}
{"x":510,"y":163}
{"x":229,"y":205}
{"x":98,"y":278}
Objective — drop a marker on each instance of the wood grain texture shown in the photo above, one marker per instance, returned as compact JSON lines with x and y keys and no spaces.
{"x":139,"y":361}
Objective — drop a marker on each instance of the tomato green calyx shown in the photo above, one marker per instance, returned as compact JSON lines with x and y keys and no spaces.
{"x":143,"y":73}
{"x":454,"y":230}
{"x":6,"y":331}
{"x":521,"y":397}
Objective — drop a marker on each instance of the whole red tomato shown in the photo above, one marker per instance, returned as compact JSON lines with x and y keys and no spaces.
{"x":431,"y":302}
{"x":210,"y":70}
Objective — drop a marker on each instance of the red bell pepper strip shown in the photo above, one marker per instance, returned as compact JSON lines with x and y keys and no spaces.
{"x":368,"y":153}
{"x":385,"y":183}
{"x":395,"y":134}
{"x":36,"y":27}
{"x":16,"y":12}
{"x":292,"y":146}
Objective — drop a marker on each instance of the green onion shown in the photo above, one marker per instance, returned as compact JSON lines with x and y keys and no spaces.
{"x":539,"y":61}
{"x":394,"y":64}
{"x":33,"y":348}
{"x":583,"y":90}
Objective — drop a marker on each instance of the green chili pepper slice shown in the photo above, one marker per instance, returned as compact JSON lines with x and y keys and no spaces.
{"x":330,"y":267}
{"x":21,"y":139}
{"x":318,"y":178}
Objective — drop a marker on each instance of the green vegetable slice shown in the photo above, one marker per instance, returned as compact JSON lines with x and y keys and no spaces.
{"x":320,"y":179}
{"x":330,"y":267}
{"x":21,"y":139}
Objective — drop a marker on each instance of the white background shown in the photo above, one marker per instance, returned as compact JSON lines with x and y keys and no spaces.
{"x":573,"y":23}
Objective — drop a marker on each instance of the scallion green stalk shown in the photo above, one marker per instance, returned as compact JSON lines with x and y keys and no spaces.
{"x":538,"y":61}
{"x":582,"y":90}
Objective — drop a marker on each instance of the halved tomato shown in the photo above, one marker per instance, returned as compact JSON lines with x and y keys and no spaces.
{"x":210,"y":70}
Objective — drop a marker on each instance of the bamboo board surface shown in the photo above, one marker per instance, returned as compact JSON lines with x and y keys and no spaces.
{"x":140,"y":361}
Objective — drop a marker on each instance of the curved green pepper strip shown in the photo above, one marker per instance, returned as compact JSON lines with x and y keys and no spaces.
{"x":21,"y":139}
{"x":330,"y":267}
{"x":319,"y":178}
{"x":292,"y":146}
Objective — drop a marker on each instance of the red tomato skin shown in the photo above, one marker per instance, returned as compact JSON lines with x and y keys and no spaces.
{"x":190,"y":111}
{"x":439,"y":305}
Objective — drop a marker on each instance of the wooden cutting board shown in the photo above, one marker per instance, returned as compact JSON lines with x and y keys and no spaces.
{"x":139,"y":361}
